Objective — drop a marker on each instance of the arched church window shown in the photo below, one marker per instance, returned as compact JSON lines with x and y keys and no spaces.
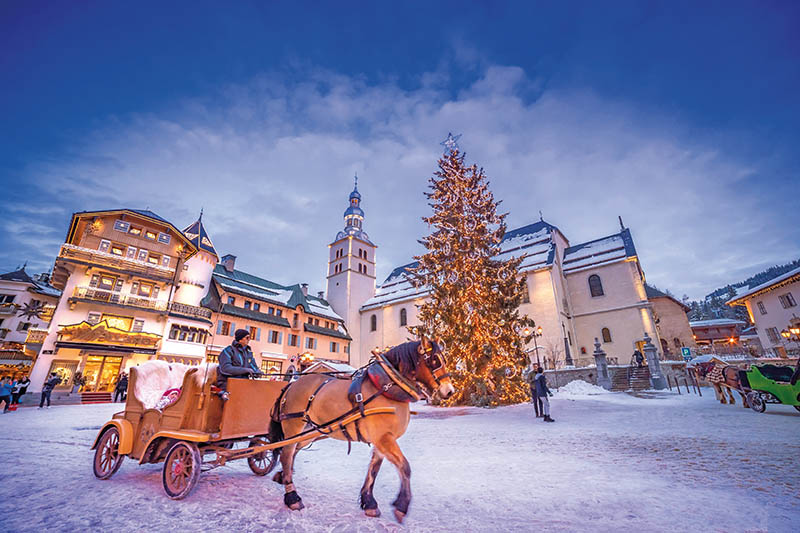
{"x":606,"y":335}
{"x":595,"y":285}
{"x":373,"y":323}
{"x":677,"y":342}
{"x":403,"y":317}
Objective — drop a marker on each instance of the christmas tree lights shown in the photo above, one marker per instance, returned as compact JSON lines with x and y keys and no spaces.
{"x":475,"y":295}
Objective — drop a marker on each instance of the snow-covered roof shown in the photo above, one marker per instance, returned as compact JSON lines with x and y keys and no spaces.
{"x":715,"y":322}
{"x":336,"y":367}
{"x":742,"y":294}
{"x":599,"y":252}
{"x":534,"y":240}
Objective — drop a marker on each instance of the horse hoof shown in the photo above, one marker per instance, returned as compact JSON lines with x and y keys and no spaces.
{"x":374,"y":513}
{"x":297,"y":506}
{"x":278,"y":477}
{"x":399,"y":515}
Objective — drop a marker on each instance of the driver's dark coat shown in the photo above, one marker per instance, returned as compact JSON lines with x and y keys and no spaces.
{"x":235,"y":361}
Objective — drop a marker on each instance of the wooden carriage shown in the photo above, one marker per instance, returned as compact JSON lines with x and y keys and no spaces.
{"x":195,"y":432}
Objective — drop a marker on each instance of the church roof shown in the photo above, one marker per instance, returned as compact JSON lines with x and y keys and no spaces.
{"x":598,"y":252}
{"x":197,"y":234}
{"x":534,"y":240}
{"x":652,"y":292}
{"x":290,"y":296}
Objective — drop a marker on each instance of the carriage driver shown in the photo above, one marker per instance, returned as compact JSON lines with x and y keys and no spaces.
{"x":236,"y":361}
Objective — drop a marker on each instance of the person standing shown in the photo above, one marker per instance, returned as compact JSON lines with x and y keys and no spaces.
{"x":639,"y":358}
{"x":19,"y":390}
{"x":543,"y":392}
{"x":120,"y":391}
{"x":537,"y":402}
{"x":48,"y":387}
{"x":6,"y":386}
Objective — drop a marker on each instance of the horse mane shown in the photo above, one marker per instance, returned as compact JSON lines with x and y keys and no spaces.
{"x":404,"y":357}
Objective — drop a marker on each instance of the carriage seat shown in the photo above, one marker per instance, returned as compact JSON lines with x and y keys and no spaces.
{"x":776,"y":373}
{"x":155,"y":378}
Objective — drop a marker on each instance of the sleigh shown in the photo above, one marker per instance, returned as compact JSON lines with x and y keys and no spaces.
{"x":765,"y":384}
{"x":173,"y":415}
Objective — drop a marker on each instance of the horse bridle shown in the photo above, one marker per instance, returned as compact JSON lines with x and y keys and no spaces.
{"x":435,"y":362}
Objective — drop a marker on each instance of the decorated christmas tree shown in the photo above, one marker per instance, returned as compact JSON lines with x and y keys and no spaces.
{"x":475,"y":295}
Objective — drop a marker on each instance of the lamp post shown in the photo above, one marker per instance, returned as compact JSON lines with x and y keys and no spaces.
{"x":527,"y":333}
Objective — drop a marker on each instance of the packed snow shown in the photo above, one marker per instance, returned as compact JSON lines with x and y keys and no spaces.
{"x":579,"y":388}
{"x":610,"y":462}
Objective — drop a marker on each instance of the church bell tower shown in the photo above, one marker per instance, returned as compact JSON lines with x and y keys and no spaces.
{"x":351,"y":271}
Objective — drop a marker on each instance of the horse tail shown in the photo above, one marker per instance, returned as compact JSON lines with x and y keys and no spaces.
{"x":275,"y":427}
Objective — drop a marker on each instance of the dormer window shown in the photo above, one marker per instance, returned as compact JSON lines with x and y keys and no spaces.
{"x":134,"y":230}
{"x":150,"y":235}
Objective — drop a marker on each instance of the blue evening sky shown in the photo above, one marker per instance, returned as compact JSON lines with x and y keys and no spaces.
{"x":683,"y":117}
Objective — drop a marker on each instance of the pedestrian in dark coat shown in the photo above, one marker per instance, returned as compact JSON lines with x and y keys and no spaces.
{"x":47,"y":389}
{"x":639,"y":358}
{"x":537,"y":402}
{"x":120,"y":391}
{"x":236,"y":361}
{"x":543,"y":391}
{"x":19,"y":390}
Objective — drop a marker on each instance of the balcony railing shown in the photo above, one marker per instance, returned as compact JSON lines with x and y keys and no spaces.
{"x":105,"y":295}
{"x":36,"y":336}
{"x":190,"y":310}
{"x":70,"y":251}
{"x":7,"y":309}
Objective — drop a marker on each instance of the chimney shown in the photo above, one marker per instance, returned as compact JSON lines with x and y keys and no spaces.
{"x":321,"y":295}
{"x":228,"y":261}
{"x":304,"y":288}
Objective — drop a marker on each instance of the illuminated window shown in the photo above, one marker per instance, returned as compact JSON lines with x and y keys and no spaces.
{"x":121,"y":225}
{"x":142,"y":255}
{"x":107,"y":282}
{"x":606,"y":335}
{"x":150,"y":235}
{"x":131,"y":252}
{"x":94,"y":317}
{"x":595,"y":285}
{"x":153,"y":259}
{"x":255,"y":333}
{"x":270,"y":366}
{"x":104,"y":246}
{"x":135,"y":230}
{"x":138,"y":325}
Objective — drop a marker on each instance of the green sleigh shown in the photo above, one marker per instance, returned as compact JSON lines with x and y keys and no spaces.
{"x":771,"y":384}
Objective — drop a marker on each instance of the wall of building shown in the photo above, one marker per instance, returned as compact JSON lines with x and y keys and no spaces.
{"x":673,"y":323}
{"x":9,"y":315}
{"x":776,"y":316}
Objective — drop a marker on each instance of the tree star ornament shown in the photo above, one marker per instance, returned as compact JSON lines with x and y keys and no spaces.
{"x":451,"y":143}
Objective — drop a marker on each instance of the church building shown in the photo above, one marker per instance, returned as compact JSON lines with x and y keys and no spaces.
{"x":575,"y":292}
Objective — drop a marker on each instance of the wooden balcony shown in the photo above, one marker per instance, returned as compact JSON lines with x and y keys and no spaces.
{"x":92,"y":294}
{"x":190,"y":310}
{"x":36,"y":336}
{"x":90,"y":257}
{"x":7,"y":309}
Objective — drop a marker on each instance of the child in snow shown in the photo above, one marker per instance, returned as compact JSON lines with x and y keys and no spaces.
{"x":542,"y":392}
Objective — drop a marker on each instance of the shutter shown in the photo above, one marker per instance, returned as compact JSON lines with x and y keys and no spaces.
{"x":280,"y":337}
{"x":232,"y":332}
{"x":135,"y":287}
{"x":95,"y":280}
{"x":104,"y":245}
{"x":138,"y":325}
{"x":118,"y":285}
{"x":219,"y":327}
{"x":155,"y":291}
{"x":93,"y":317}
{"x":131,"y":254}
{"x":165,"y":261}
{"x":258,"y":334}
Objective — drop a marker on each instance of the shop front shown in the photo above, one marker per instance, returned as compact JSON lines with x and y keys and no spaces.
{"x":100,"y":372}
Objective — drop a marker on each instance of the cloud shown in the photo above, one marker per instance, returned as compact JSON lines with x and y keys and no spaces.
{"x":271,"y":162}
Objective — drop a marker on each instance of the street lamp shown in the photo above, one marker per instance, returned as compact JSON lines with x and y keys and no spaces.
{"x":527,"y":333}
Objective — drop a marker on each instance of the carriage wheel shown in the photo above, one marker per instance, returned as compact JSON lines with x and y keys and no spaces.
{"x":107,"y":458}
{"x":756,"y":402}
{"x":261,"y":463}
{"x":181,"y":469}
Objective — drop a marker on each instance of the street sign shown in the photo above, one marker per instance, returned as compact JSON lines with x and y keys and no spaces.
{"x":686,"y":353}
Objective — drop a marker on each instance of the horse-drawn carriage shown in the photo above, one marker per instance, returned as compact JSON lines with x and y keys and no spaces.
{"x":765,"y":384}
{"x":172,"y":415}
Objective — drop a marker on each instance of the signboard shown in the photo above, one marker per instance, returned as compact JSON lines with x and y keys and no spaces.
{"x":686,"y":353}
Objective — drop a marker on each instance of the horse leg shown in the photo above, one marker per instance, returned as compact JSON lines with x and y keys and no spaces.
{"x":368,"y":502}
{"x":730,"y":395}
{"x":290,"y":498}
{"x":387,"y":446}
{"x":720,"y":394}
{"x":744,"y":400}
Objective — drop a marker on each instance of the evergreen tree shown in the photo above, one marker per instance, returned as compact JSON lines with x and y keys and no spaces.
{"x":475,"y":296}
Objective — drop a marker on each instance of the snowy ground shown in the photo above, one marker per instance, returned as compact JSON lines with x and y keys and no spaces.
{"x":611,"y":462}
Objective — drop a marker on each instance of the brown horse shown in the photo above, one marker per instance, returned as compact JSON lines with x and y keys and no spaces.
{"x":724,"y":378}
{"x":321,"y":399}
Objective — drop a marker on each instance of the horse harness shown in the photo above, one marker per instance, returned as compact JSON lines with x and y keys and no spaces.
{"x":381,"y":374}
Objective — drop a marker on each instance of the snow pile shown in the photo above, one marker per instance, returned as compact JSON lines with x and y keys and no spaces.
{"x":579,"y":388}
